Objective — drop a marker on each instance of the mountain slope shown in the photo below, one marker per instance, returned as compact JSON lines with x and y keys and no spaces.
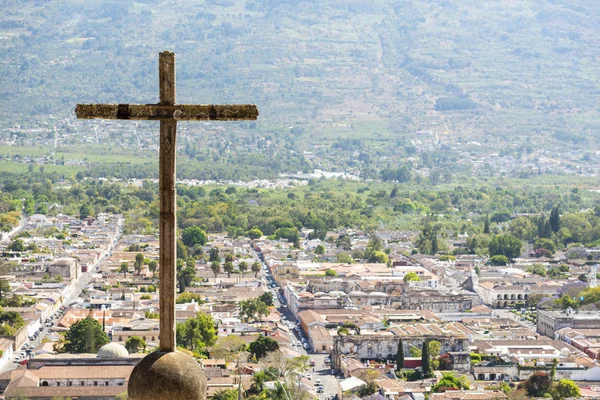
{"x":518,"y":72}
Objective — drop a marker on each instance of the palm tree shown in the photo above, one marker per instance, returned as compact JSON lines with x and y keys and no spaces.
{"x":243,"y":268}
{"x":255,"y":268}
{"x":278,"y":393}
{"x":225,"y":394}
{"x":216,"y":268}
{"x":124,"y":268}
{"x":258,"y":381}
{"x":228,"y":267}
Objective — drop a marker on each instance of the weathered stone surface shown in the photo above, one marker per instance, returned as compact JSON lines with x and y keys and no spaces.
{"x":167,"y":375}
{"x":168,"y":234}
{"x":155,"y":112}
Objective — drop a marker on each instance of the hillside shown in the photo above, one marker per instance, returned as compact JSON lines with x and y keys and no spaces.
{"x":402,"y":79}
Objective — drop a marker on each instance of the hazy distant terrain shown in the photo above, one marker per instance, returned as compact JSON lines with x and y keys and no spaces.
{"x":418,"y":76}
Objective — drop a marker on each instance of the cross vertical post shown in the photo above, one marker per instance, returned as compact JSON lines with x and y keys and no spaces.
{"x":168,"y":218}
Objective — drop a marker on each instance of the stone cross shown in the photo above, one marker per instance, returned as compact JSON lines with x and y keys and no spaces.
{"x":168,"y":113}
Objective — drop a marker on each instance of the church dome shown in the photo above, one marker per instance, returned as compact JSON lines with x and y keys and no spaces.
{"x":112,"y":350}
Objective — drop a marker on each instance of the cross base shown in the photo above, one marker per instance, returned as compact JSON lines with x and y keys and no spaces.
{"x":167,"y":375}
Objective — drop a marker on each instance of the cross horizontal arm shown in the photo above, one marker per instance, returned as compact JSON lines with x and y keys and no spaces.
{"x":182,"y":112}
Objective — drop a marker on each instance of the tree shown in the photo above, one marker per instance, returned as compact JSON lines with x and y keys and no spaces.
{"x":261,"y":346}
{"x":426,"y":361}
{"x":411,"y":276}
{"x":449,"y":381}
{"x":478,"y":244}
{"x":188,"y":297}
{"x":344,"y":242}
{"x":400,"y":356}
{"x":85,"y":336}
{"x":228,"y":267}
{"x":555,"y":219}
{"x":124,"y":268}
{"x":139,"y":263}
{"x":331,"y":272}
{"x":243,"y":267}
{"x":553,"y":370}
{"x":255,"y":268}
{"x":225,"y":394}
{"x":267,"y":298}
{"x":253,"y":309}
{"x":215,"y":266}
{"x":278,"y":392}
{"x":185,"y":275}
{"x":17,"y":245}
{"x":537,"y":385}
{"x":193,"y":235}
{"x":498,"y":260}
{"x":5,"y":268}
{"x":84,"y":211}
{"x":258,"y":381}
{"x":254,"y":233}
{"x":564,"y":389}
{"x":213,"y":254}
{"x":290,"y":234}
{"x":522,"y":228}
{"x":135,"y":343}
{"x":435,"y":348}
{"x":414,"y":352}
{"x":345,"y":258}
{"x":434,"y":245}
{"x":197,"y":333}
{"x":537,"y":269}
{"x":182,"y":250}
{"x":378,"y":257}
{"x":368,"y":376}
{"x":228,"y":347}
{"x":505,"y":245}
{"x":320,"y":249}
{"x":342,"y":330}
{"x":547,"y":244}
{"x":486,"y":224}
{"x":152,"y":265}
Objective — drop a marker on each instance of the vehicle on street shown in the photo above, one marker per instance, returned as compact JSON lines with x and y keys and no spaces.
{"x":320,"y":389}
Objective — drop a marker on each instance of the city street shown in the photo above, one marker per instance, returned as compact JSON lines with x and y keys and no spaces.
{"x":320,"y":371}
